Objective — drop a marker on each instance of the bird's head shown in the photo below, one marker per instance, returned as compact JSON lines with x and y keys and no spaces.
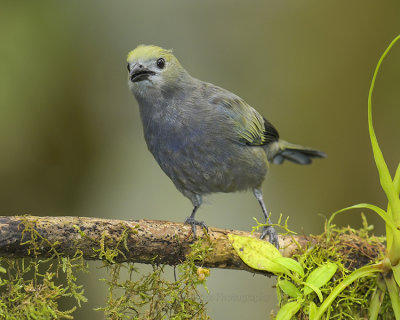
{"x":153,"y":69}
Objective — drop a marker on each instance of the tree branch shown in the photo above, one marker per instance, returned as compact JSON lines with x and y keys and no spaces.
{"x":146,"y":241}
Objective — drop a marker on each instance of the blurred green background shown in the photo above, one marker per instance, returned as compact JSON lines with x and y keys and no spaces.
{"x":71,"y":139}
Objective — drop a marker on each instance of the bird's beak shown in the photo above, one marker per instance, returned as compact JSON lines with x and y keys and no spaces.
{"x":140,"y":73}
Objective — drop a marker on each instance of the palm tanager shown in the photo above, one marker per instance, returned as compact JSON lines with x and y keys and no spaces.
{"x":205,"y":138}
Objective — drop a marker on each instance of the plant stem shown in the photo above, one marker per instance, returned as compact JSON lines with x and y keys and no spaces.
{"x":377,"y":298}
{"x":394,"y":295}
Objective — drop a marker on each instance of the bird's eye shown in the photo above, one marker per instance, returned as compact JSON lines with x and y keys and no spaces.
{"x":129,"y":67}
{"x":161,"y":63}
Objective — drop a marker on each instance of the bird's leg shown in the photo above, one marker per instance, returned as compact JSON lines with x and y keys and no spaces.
{"x":191,"y":220}
{"x":268,"y":230}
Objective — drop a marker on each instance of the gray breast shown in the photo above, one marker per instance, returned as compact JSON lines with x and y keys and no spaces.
{"x":195,"y":154}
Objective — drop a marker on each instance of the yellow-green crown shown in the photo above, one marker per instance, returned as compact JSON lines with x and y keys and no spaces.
{"x":144,"y":52}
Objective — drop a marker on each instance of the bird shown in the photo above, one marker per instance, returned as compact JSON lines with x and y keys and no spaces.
{"x":205,"y":138}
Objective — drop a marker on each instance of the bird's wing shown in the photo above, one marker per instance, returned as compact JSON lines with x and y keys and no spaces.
{"x":248,"y":125}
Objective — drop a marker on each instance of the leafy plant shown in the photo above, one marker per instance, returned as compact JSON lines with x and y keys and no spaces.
{"x":292,"y":280}
{"x":389,"y":267}
{"x":262,"y":255}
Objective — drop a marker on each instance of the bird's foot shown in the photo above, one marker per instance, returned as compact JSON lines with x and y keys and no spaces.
{"x":272,"y":234}
{"x":194,"y":223}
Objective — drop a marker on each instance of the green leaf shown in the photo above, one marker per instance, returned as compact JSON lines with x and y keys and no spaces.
{"x":382,"y":213}
{"x":384,"y":175}
{"x":289,"y":288}
{"x":320,"y":276}
{"x":3,"y":270}
{"x":257,"y":254}
{"x":396,"y":180}
{"x":291,"y":264}
{"x":396,"y":274}
{"x":389,"y":232}
{"x":312,"y":310}
{"x":288,"y":311}
{"x":313,"y":288}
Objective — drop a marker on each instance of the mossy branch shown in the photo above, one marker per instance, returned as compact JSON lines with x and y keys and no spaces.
{"x":142,"y":241}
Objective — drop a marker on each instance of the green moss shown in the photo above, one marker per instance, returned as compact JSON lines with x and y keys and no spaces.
{"x":152,"y":296}
{"x":31,"y":288}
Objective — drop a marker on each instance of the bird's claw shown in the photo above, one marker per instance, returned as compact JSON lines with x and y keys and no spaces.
{"x":195,"y":223}
{"x":272,"y":234}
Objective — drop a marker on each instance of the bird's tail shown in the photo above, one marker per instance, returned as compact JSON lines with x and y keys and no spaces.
{"x":281,"y":150}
